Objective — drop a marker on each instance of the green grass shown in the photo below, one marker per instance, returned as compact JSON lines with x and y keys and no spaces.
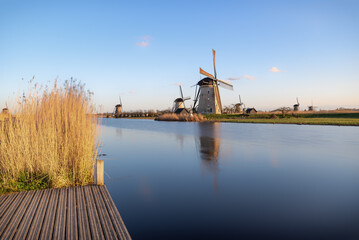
{"x":25,"y":182}
{"x":307,"y":121}
{"x":341,"y":119}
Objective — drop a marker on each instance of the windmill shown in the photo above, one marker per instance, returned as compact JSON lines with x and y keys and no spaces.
{"x":296,"y":106}
{"x":311,"y":107}
{"x":238,"y":106}
{"x":207,"y":99}
{"x":118,"y":108}
{"x":178,"y":104}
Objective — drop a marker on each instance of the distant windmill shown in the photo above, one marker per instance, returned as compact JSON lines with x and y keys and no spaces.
{"x":296,"y":106}
{"x":118,"y":108}
{"x":207,"y":99}
{"x":238,"y":106}
{"x":312,"y":107}
{"x":178,"y":104}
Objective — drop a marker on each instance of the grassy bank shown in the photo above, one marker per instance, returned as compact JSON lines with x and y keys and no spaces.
{"x":341,"y":119}
{"x":49,"y":140}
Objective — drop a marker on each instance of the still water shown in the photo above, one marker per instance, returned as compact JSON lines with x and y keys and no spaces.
{"x":178,"y":180}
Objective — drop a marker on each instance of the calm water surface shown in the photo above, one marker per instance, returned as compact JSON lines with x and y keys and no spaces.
{"x":176,"y":180}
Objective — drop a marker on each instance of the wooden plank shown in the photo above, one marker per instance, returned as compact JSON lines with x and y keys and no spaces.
{"x":10,"y":211}
{"x":7,"y":202}
{"x":100,"y":172}
{"x":71,"y":228}
{"x":95,"y":224}
{"x":69,"y":213}
{"x":60,"y":222}
{"x":114,"y":214}
{"x":3,"y":198}
{"x":107,"y":226}
{"x":37,"y":223}
{"x":48,"y":224}
{"x":18,"y":216}
{"x":82,"y":216}
{"x":28,"y":216}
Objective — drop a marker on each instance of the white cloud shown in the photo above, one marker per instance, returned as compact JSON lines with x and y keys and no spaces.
{"x":143,"y":44}
{"x":245,"y":77}
{"x":132,"y":92}
{"x":249,"y":77}
{"x":275,"y":70}
{"x":233,"y":78}
{"x":145,"y":41}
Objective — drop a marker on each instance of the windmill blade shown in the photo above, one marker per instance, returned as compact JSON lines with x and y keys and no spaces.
{"x":240,"y":100}
{"x":181,"y":91}
{"x":186,"y":98}
{"x":214,"y":63}
{"x":120,"y":101}
{"x":196,"y":95}
{"x":201,"y":71}
{"x":225,"y":84}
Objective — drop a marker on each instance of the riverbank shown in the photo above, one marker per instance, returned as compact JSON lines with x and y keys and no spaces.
{"x":337,"y":118}
{"x":315,"y":118}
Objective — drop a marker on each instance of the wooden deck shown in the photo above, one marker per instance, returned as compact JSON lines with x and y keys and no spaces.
{"x":85,"y":212}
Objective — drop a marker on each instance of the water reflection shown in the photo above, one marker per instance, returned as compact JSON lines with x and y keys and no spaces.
{"x":119,"y":132}
{"x":208,"y":145}
{"x":274,"y":181}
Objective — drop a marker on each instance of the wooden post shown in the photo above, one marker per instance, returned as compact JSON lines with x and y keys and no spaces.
{"x":100,"y":172}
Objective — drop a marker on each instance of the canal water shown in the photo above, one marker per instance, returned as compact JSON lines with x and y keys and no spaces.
{"x":179,"y":180}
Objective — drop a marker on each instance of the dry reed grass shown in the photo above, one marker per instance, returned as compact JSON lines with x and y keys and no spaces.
{"x":51,"y":138}
{"x":181,"y":117}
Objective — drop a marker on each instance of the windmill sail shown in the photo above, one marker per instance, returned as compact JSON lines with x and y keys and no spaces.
{"x":225,"y":84}
{"x":217,"y":97}
{"x":181,"y":91}
{"x":201,"y":71}
{"x":214,"y":63}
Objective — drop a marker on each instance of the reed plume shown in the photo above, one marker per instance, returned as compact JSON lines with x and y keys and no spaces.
{"x":52,"y":136}
{"x":180,"y":117}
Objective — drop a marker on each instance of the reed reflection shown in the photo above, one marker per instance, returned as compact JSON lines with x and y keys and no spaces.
{"x":208,"y":145}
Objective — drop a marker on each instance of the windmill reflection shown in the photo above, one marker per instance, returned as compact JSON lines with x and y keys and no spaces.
{"x":209,"y":145}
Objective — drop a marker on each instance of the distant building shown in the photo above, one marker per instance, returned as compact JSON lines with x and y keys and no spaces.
{"x":5,"y":111}
{"x":251,"y":111}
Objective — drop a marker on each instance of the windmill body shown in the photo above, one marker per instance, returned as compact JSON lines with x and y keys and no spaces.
{"x":209,"y":101}
{"x":207,"y":98}
{"x":238,"y":106}
{"x":311,"y":107}
{"x":178,"y":104}
{"x":118,"y":109}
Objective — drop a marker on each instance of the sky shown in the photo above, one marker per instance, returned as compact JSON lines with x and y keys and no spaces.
{"x":271,"y":51}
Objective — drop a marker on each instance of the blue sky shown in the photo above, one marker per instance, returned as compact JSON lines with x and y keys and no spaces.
{"x":142,"y":49}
